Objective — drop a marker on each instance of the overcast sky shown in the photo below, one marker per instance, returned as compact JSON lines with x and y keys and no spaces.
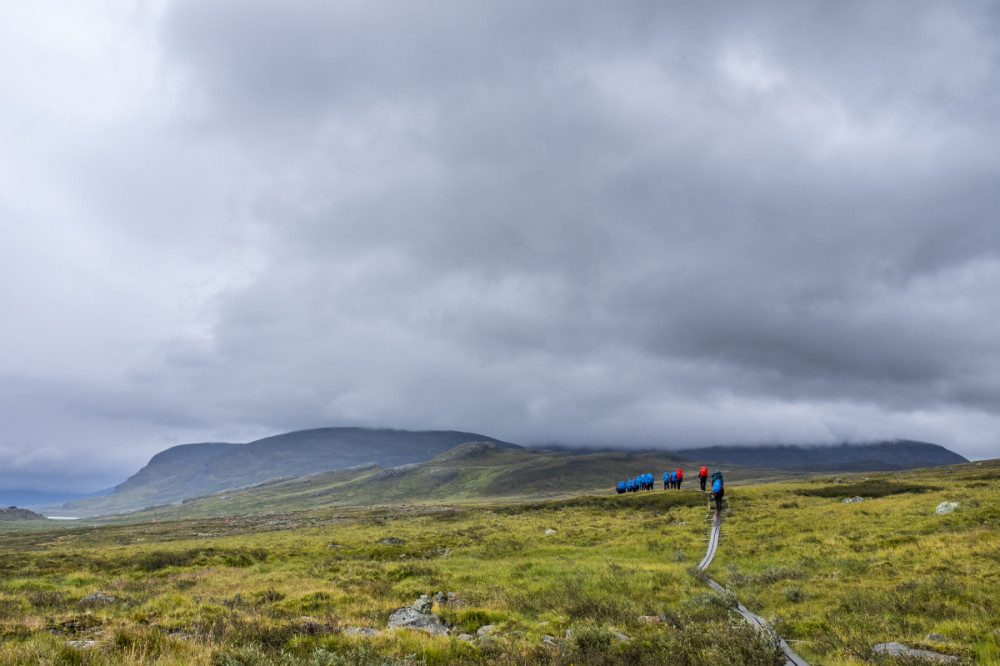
{"x":658,"y":223}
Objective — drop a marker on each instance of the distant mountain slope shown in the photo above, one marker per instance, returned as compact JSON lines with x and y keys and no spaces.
{"x":891,"y":455}
{"x":470,"y":472}
{"x":196,"y":469}
{"x":17,"y":513}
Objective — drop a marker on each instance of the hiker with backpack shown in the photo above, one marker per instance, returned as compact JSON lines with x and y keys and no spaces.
{"x":680,"y":477}
{"x":703,"y":477}
{"x":666,"y":480}
{"x":718,"y":490}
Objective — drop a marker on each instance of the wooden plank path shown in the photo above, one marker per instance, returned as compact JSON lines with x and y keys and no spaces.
{"x":758,"y":621}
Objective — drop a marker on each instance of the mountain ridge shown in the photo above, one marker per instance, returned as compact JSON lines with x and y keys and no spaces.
{"x":188,"y":470}
{"x":885,"y":455}
{"x":379,"y":456}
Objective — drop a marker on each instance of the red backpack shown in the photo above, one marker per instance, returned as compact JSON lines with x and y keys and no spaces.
{"x":704,"y":471}
{"x":680,"y":474}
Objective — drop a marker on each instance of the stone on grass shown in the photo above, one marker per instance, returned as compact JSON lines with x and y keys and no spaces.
{"x":936,"y":638}
{"x":486,"y":629}
{"x":466,"y":637}
{"x":361,"y":631}
{"x":549,"y":641}
{"x":856,"y":498}
{"x":901,"y":651}
{"x":418,"y":616}
{"x":423,"y":604}
{"x":98,"y":599}
{"x":549,"y":531}
{"x":650,"y":618}
{"x":946,"y":507}
{"x":390,"y":540}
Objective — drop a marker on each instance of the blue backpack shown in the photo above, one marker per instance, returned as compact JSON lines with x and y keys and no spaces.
{"x":716,"y":485}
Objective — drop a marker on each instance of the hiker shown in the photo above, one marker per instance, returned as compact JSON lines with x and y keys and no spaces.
{"x":703,"y":476}
{"x":718,"y":491}
{"x":680,"y":477}
{"x":621,"y":487}
{"x":673,"y":479}
{"x":666,"y":479}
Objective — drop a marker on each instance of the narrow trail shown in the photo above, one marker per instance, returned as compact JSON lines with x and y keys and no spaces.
{"x":758,"y":621}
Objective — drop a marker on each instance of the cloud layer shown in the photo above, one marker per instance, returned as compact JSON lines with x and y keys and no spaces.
{"x":651,"y":223}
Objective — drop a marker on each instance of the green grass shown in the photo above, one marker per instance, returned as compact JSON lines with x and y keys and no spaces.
{"x":281,"y":588}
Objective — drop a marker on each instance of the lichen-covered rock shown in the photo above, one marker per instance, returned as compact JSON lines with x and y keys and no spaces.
{"x":946,"y":507}
{"x":98,"y":599}
{"x":361,"y":631}
{"x":423,"y":604}
{"x":901,"y":651}
{"x":410,"y":617}
{"x":486,"y":629}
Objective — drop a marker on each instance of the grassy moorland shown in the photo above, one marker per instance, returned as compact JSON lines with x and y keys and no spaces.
{"x":286,"y":588}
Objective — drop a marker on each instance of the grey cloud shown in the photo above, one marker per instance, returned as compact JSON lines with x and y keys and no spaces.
{"x":653,"y":223}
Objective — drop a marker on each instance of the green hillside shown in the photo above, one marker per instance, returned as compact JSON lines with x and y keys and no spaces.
{"x":190,"y":470}
{"x":473,"y":473}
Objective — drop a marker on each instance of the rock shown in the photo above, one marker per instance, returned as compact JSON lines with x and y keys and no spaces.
{"x":946,"y":507}
{"x":650,"y":618}
{"x":549,"y":531}
{"x":569,"y":633}
{"x":550,"y":641}
{"x":440,"y":598}
{"x":312,"y":626}
{"x":97,"y":599}
{"x":390,"y":540}
{"x":410,"y":618}
{"x":466,"y":637}
{"x":852,"y":499}
{"x":936,"y":638}
{"x":81,"y":644}
{"x":423,"y":604}
{"x":361,"y":631}
{"x":901,"y":651}
{"x":486,"y":629}
{"x":622,"y":637}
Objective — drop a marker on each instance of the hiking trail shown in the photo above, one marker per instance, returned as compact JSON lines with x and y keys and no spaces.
{"x":758,"y":621}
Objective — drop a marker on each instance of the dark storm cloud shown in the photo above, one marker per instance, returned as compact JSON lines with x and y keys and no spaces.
{"x":789,"y":206}
{"x":655,"y":223}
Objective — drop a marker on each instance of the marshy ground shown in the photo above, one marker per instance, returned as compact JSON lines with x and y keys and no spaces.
{"x":564,"y":581}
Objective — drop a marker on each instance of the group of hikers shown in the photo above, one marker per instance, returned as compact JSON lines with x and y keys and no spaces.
{"x":673,"y":480}
{"x":641,"y":482}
